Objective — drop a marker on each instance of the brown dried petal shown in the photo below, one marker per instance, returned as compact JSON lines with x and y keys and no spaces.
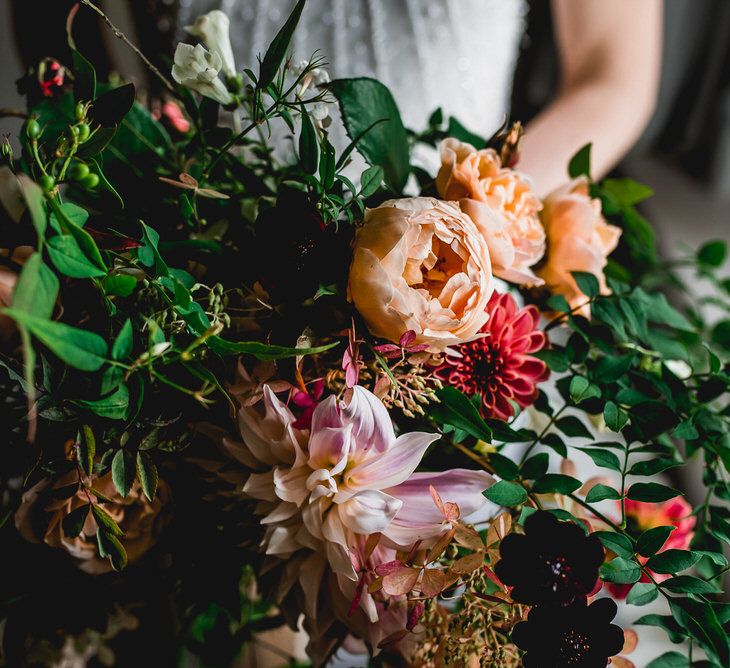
{"x":400,"y":582}
{"x":433,"y":582}
{"x":468,"y":563}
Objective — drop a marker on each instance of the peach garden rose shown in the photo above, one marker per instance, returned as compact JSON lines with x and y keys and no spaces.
{"x":420,"y":264}
{"x":501,"y":203}
{"x":579,"y":239}
{"x":140,"y":519}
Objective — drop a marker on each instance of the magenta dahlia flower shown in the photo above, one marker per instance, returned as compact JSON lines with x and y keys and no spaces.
{"x":499,"y":366}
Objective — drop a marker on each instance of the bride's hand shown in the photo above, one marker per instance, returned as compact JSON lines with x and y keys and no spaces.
{"x":610,"y":66}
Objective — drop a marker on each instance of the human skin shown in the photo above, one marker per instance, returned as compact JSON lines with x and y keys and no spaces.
{"x":610,"y":61}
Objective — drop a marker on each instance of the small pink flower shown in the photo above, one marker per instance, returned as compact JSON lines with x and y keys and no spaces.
{"x":172,"y":113}
{"x":351,"y":359}
{"x":675,"y":512}
{"x":499,"y":365}
{"x":307,"y":401}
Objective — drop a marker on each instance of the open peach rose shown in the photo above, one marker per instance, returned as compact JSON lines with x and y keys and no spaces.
{"x":579,"y":239}
{"x":420,"y":264}
{"x":503,"y":206}
{"x":139,"y":518}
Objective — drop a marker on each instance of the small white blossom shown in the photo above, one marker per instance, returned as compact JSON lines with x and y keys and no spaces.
{"x":320,"y":76}
{"x":320,"y":111}
{"x":198,"y":69}
{"x":213,"y":29}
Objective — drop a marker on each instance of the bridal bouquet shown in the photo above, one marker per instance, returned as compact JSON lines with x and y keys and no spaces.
{"x":258,"y":374}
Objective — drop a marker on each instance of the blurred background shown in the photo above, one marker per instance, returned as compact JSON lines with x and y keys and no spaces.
{"x":684,"y":154}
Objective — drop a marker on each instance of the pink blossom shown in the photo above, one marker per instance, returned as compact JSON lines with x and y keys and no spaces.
{"x":675,"y":512}
{"x":322,"y":491}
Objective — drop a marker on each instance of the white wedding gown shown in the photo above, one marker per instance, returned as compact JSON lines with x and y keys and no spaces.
{"x":455,"y":54}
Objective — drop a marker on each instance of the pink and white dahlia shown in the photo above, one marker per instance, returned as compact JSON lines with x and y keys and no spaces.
{"x":322,"y":491}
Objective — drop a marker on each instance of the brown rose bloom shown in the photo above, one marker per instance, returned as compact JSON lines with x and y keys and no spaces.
{"x":140,"y":519}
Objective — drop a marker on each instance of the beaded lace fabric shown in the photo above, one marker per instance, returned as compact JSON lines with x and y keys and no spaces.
{"x":457,"y":54}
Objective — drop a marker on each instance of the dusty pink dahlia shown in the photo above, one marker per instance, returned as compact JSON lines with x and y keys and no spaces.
{"x":499,"y":366}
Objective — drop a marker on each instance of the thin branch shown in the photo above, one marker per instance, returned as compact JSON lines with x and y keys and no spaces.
{"x":124,"y":39}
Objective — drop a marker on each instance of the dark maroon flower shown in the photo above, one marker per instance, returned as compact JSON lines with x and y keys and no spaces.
{"x":499,"y":366}
{"x":553,"y":562}
{"x":405,"y":346}
{"x":573,"y":636}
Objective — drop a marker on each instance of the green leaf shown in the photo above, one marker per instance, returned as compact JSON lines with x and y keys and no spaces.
{"x":308,"y":147}
{"x":572,"y":426}
{"x":557,"y":483}
{"x":712,"y":253}
{"x":688,"y":584}
{"x":147,"y":474}
{"x":121,"y":285}
{"x":103,"y":181}
{"x":78,"y":348}
{"x":36,"y":203}
{"x":68,"y":258}
{"x":652,"y":540}
{"x":601,"y":492}
{"x":73,"y":523}
{"x":627,"y":192}
{"x":505,"y":493}
{"x":604,"y":458}
{"x":123,"y":471}
{"x":109,"y":546}
{"x":457,"y":130}
{"x":674,"y":631}
{"x":327,"y":164}
{"x":106,"y":521}
{"x":456,"y":410}
{"x":363,"y":102}
{"x":113,"y":407}
{"x":276,"y":52}
{"x":653,"y":466}
{"x":620,"y":571}
{"x":615,"y":417}
{"x":580,"y":163}
{"x":504,"y":467}
{"x":700,"y":620}
{"x":652,"y":492}
{"x":617,"y":542}
{"x":87,"y":448}
{"x":37,"y":288}
{"x":673,"y":561}
{"x":669,"y":660}
{"x":370,"y":180}
{"x":122,"y":346}
{"x":84,"y":240}
{"x":536,"y":466}
{"x":642,"y":593}
{"x":581,"y":389}
{"x":587,"y":283}
{"x":84,"y":76}
{"x":611,"y":368}
{"x":112,"y":106}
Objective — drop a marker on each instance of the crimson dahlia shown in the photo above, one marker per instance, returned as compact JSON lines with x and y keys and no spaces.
{"x":500,"y":366}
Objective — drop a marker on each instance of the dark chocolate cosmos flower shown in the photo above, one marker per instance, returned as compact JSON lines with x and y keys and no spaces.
{"x":572,"y":636}
{"x":553,"y":562}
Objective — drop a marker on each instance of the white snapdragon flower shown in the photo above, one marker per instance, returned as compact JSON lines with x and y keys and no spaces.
{"x":198,"y":69}
{"x":213,"y":30}
{"x":319,"y":111}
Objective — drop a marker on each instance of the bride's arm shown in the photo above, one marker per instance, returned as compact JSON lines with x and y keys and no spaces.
{"x":610,"y":53}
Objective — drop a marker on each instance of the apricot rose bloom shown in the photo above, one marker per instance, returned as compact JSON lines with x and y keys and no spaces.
{"x":579,"y":239}
{"x":420,"y":264}
{"x":140,"y":519}
{"x":501,"y":203}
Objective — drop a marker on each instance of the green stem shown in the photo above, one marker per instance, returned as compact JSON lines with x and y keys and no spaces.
{"x":541,"y":435}
{"x":599,"y":515}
